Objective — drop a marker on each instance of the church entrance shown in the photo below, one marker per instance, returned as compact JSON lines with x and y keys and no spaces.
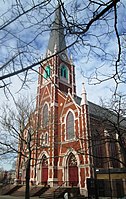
{"x":72,"y":171}
{"x":44,"y":176}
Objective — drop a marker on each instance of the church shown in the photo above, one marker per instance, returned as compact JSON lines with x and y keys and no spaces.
{"x":68,"y":137}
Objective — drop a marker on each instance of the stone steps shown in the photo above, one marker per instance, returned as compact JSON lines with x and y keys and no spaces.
{"x":48,"y":194}
{"x":9,"y":189}
{"x":19,"y":192}
{"x":38,"y":190}
{"x":42,"y":191}
{"x":34,"y":191}
{"x":52,"y":193}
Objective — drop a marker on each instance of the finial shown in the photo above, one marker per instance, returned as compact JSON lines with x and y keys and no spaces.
{"x":83,"y":88}
{"x":84,"y":95}
{"x":48,"y":53}
{"x":68,"y":90}
{"x":71,"y":58}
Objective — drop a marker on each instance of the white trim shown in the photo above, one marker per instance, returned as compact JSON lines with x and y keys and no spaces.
{"x":43,"y":93}
{"x":54,"y":104}
{"x":69,"y":151}
{"x":65,"y":103}
{"x":65,"y":117}
{"x":41,"y":155}
{"x":39,"y":166}
{"x":42,"y":138}
{"x":70,"y":140}
{"x":65,"y":164}
{"x":63,"y":79}
{"x":45,"y":103}
{"x":44,"y":135}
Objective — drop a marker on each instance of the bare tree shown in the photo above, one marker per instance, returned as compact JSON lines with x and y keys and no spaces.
{"x":21,"y":137}
{"x":88,"y":26}
{"x":107,"y":130}
{"x":16,"y":134}
{"x":116,"y":121}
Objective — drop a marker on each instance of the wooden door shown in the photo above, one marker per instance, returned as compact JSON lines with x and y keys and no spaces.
{"x":44,"y":176}
{"x":73,"y":171}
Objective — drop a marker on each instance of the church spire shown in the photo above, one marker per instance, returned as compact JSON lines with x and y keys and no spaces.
{"x":57,"y":38}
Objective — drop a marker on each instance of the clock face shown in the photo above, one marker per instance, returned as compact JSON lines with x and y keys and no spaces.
{"x":64,"y":56}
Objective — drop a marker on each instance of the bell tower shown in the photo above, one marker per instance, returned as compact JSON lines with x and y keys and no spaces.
{"x":58,"y":69}
{"x":56,"y":74}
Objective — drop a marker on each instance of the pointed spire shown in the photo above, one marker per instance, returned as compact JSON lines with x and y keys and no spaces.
{"x":84,"y":96}
{"x":71,"y":59}
{"x":57,"y":37}
{"x":69,"y":90}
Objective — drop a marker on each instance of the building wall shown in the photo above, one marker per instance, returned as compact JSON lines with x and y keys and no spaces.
{"x":52,"y":159}
{"x":58,"y":95}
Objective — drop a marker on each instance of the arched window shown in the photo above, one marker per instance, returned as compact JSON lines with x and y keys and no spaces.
{"x":45,"y":115}
{"x":98,"y":147}
{"x":70,"y":126}
{"x":72,"y":160}
{"x":64,"y":72}
{"x":46,"y":138}
{"x":47,"y":72}
{"x":44,"y":160}
{"x":113,"y":152}
{"x":44,"y":172}
{"x":42,"y":140}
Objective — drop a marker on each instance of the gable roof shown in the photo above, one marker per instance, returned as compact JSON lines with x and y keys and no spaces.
{"x":101,"y":112}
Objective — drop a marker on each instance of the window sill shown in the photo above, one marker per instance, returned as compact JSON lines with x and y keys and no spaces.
{"x":70,"y":140}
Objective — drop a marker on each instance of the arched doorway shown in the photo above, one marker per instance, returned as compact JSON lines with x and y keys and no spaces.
{"x":44,"y":176}
{"x":72,"y":170}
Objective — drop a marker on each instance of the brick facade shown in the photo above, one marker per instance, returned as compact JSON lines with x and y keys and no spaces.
{"x":64,"y":149}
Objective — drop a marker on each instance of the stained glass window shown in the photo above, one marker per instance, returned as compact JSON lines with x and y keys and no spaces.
{"x":44,"y":161}
{"x":98,"y":146}
{"x":45,"y":115}
{"x":64,"y":72}
{"x":42,"y":140}
{"x":46,"y":138}
{"x":47,"y":72}
{"x":70,"y":126}
{"x":72,"y":160}
{"x":113,"y":153}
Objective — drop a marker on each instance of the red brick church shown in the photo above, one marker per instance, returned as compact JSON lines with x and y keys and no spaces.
{"x":65,"y":123}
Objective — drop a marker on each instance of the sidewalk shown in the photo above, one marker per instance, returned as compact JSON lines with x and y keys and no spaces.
{"x":14,"y":197}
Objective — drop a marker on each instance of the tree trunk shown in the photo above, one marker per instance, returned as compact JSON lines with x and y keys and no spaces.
{"x":27,"y":190}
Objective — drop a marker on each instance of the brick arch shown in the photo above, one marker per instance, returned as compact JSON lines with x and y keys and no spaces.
{"x":70,"y":131}
{"x":44,"y":170}
{"x":70,"y":111}
{"x":45,"y":115}
{"x":64,"y":72}
{"x":67,"y":171}
{"x":40,"y":170}
{"x":73,"y":176}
